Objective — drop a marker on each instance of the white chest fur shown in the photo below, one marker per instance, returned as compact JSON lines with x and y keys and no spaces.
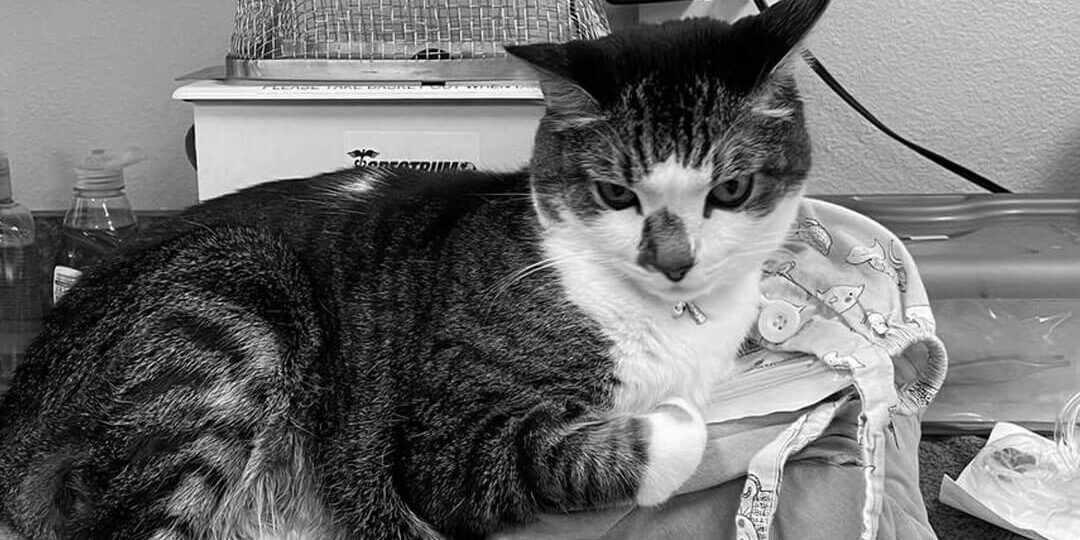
{"x":658,"y":356}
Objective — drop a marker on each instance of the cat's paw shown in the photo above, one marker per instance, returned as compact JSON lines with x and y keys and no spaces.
{"x":677,"y":436}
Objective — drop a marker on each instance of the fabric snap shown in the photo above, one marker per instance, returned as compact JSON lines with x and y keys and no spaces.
{"x":778,"y":320}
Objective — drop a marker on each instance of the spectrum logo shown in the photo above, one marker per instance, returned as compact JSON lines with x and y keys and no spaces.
{"x":368,"y":157}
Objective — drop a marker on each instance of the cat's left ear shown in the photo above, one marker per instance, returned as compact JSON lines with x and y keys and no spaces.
{"x":782,"y":27}
{"x":564,"y":96}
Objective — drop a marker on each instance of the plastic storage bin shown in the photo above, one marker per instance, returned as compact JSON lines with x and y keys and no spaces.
{"x":1003,"y":276}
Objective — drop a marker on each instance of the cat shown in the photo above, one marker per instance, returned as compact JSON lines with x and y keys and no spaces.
{"x":399,"y":354}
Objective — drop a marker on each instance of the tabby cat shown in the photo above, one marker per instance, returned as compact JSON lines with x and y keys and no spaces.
{"x":399,"y":354}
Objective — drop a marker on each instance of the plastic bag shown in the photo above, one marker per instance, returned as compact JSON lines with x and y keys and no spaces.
{"x":1028,"y":483}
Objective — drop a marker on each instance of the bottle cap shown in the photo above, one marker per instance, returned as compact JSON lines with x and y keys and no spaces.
{"x":5,"y":177}
{"x":102,"y":171}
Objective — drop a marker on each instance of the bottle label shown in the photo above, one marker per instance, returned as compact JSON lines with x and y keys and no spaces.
{"x":64,"y":279}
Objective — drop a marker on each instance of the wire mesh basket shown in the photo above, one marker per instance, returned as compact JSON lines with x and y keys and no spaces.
{"x":399,"y":39}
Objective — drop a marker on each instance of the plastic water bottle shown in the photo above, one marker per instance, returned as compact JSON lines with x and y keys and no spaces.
{"x":20,"y":283}
{"x":99,"y":219}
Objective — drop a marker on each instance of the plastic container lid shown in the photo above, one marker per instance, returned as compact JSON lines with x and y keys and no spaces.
{"x":102,"y":171}
{"x":985,"y":245}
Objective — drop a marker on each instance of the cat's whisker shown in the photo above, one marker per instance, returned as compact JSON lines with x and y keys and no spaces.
{"x":720,"y":266}
{"x":757,"y":251}
{"x":766,"y":246}
{"x":508,"y":194}
{"x":506,"y":283}
{"x":525,"y":271}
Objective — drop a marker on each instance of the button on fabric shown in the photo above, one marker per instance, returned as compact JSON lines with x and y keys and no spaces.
{"x":859,"y":314}
{"x":778,"y":320}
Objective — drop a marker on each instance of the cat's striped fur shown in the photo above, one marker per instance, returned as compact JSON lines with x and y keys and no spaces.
{"x":416,"y":355}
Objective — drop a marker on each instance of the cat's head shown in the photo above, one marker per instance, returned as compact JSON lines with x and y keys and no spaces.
{"x":674,"y":154}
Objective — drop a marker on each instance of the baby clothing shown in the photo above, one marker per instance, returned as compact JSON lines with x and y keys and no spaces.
{"x":845,"y":290}
{"x":831,"y":386}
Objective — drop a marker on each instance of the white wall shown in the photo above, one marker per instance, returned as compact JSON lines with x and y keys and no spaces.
{"x":75,"y":75}
{"x":995,"y":85}
{"x":992,"y":85}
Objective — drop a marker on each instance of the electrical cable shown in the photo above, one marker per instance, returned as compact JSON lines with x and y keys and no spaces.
{"x":835,"y":86}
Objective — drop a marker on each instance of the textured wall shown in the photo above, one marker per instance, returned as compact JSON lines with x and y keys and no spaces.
{"x":995,"y":85}
{"x":99,"y":73}
{"x":992,"y":85}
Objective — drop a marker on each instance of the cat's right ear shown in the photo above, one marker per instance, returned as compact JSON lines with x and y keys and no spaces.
{"x":783,"y":26}
{"x":565,"y":98}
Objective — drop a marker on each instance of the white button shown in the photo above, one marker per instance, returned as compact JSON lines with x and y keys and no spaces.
{"x":778,"y":320}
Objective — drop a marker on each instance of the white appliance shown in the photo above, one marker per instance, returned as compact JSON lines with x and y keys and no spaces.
{"x":251,"y":132}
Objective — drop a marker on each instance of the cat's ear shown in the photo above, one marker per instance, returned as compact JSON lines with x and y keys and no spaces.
{"x":782,"y":27}
{"x":564,"y":96}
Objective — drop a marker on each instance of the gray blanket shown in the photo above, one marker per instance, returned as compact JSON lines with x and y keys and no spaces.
{"x":940,"y":455}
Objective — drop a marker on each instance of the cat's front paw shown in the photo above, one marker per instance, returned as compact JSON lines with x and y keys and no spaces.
{"x":677,"y":435}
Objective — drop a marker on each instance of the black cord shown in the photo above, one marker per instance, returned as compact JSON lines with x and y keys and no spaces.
{"x":832,"y":83}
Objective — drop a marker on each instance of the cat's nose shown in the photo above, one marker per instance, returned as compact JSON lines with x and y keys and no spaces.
{"x":674,"y":270}
{"x":672,"y":263}
{"x":665,"y":246}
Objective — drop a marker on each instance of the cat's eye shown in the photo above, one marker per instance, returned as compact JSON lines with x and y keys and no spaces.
{"x":731,"y":193}
{"x":616,"y":196}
